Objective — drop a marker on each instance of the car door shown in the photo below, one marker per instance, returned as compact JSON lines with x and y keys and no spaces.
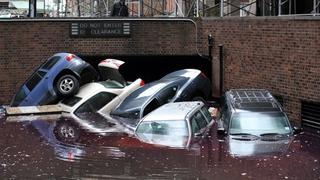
{"x":198,"y":124}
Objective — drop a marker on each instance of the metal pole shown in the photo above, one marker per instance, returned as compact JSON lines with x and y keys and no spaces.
{"x":197,"y":8}
{"x":151,"y":7}
{"x":141,"y":13}
{"x":263,"y":8}
{"x":279,"y":8}
{"x":314,"y":6}
{"x":58,"y":8}
{"x":66,"y":8}
{"x":221,"y":8}
{"x":35,"y":8}
{"x":290,"y":6}
{"x":78,"y":6}
{"x":163,"y":6}
{"x":221,"y":68}
{"x":32,"y":8}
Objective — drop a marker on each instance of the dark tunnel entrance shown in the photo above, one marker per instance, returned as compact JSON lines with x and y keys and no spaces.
{"x":150,"y":68}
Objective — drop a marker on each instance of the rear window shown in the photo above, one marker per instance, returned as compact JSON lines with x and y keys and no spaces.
{"x":71,"y":101}
{"x":33,"y":81}
{"x":51,"y":62}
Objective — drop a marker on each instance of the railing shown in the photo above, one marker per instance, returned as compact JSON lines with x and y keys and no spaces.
{"x":160,"y":8}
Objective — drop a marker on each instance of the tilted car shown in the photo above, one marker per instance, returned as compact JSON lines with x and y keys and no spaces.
{"x":91,"y":106}
{"x":59,"y":76}
{"x":182,"y":85}
{"x":175,"y":124}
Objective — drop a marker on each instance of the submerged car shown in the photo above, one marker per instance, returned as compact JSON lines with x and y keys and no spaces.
{"x":251,"y":120}
{"x":182,"y":85}
{"x":91,"y":106}
{"x":175,"y":124}
{"x":59,"y":76}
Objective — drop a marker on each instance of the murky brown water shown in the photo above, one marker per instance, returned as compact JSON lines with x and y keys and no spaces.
{"x":31,"y":149}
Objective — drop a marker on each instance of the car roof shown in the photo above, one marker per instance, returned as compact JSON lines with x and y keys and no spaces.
{"x":189,"y":73}
{"x":140,"y":96}
{"x":173,"y":111}
{"x":254,"y":100}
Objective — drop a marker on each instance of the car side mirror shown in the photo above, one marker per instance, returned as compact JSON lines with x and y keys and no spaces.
{"x":296,"y":130}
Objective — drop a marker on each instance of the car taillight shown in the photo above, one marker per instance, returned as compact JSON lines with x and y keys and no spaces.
{"x":141,"y":83}
{"x":69,"y":57}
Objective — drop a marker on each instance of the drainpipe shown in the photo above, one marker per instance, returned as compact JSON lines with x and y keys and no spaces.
{"x":210,"y":46}
{"x":221,"y":68}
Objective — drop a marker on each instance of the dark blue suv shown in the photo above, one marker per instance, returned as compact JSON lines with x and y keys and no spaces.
{"x":60,"y":76}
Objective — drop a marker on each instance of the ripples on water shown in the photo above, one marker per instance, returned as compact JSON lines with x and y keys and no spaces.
{"x":31,"y":149}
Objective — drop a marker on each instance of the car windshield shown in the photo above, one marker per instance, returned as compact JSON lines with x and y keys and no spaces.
{"x":168,"y":127}
{"x":259,"y":123}
{"x":172,"y":133}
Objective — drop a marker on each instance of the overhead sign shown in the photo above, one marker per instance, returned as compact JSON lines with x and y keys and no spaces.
{"x":100,"y":29}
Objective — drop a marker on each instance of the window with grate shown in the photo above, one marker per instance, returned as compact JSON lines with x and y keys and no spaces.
{"x":310,"y":115}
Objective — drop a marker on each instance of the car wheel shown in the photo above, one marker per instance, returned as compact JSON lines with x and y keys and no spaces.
{"x":67,"y":85}
{"x":66,"y":132}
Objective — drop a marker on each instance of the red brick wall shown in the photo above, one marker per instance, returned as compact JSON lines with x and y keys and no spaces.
{"x":278,"y":54}
{"x":25,"y":44}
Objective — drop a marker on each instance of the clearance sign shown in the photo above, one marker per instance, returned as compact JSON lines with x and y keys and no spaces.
{"x":99,"y":29}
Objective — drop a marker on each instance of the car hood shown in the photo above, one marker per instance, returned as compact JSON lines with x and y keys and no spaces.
{"x":257,"y":147}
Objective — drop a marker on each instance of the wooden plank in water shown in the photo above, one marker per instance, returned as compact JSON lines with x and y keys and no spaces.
{"x":42,"y":117}
{"x":25,"y":110}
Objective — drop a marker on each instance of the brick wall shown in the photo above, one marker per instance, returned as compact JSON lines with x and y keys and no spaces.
{"x":24,"y":44}
{"x":278,"y":54}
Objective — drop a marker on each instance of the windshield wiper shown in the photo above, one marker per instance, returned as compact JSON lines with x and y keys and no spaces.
{"x":270,"y":134}
{"x":242,"y":134}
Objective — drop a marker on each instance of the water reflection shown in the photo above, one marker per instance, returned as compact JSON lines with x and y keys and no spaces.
{"x":31,"y":149}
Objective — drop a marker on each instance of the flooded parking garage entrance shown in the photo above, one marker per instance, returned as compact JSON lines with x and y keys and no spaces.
{"x":150,"y":68}
{"x":32,"y":149}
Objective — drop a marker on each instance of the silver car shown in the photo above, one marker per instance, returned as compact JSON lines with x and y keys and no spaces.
{"x":176,"y":124}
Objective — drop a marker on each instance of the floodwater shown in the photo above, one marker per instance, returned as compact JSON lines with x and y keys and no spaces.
{"x":33,"y":149}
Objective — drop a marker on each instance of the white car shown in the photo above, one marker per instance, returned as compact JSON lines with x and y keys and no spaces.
{"x":91,"y":106}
